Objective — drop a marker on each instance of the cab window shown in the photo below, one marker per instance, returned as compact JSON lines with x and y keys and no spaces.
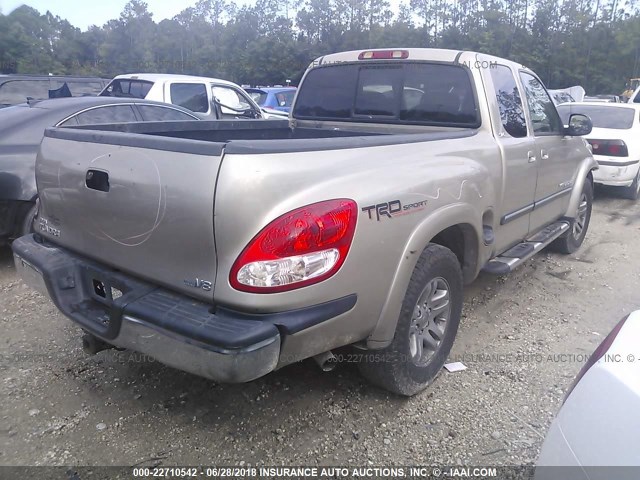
{"x":192,"y":96}
{"x":509,"y":101}
{"x":544,"y":116}
{"x":129,"y":88}
{"x":231,"y":101}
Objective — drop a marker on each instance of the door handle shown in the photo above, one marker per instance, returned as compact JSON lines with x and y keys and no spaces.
{"x":532,"y":157}
{"x":544,"y":155}
{"x":97,"y":180}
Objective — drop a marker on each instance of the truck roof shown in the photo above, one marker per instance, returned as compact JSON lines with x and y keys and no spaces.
{"x":424,"y":54}
{"x":160,"y":77}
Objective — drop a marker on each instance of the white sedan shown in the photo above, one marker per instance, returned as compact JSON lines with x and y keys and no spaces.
{"x":615,"y":140}
{"x":595,"y":435}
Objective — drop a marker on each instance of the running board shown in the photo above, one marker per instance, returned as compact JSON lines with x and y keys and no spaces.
{"x":511,"y":259}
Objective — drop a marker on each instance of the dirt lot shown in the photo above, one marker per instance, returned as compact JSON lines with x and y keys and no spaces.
{"x":522,"y":338}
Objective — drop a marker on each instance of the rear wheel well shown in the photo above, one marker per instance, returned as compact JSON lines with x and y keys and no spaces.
{"x":462,"y":240}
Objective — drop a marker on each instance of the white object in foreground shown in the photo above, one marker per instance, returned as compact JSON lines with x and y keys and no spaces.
{"x":597,"y":428}
{"x":455,"y":367}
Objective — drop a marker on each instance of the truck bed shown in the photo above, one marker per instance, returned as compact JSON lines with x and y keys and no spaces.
{"x":119,"y":192}
{"x":249,"y":136}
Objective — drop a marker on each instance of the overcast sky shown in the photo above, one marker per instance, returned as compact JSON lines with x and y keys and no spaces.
{"x":83,"y":13}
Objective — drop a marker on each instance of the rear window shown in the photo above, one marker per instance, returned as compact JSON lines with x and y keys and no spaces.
{"x":601,"y":117}
{"x":258,"y":96}
{"x":82,"y":89}
{"x":408,"y":93}
{"x":285,"y":99}
{"x":17,"y":91}
{"x":127,"y":88}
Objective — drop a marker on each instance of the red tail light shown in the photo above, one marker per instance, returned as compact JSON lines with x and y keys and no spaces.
{"x":597,"y":355}
{"x":384,"y":55}
{"x":300,"y":248}
{"x":613,"y":148}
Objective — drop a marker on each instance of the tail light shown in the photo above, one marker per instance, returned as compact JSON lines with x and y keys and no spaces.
{"x":384,"y":55}
{"x":300,"y":248}
{"x":599,"y":352}
{"x":612,"y":148}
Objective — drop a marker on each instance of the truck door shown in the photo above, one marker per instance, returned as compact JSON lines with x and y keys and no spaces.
{"x":555,"y":157}
{"x":518,"y":151}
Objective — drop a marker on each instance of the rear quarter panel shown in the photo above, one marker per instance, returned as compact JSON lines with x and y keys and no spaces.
{"x":457,"y":180}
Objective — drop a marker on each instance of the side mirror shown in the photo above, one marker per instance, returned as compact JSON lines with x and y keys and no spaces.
{"x":579,"y":125}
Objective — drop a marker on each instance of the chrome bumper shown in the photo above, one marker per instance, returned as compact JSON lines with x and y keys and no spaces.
{"x":59,"y":275}
{"x":182,"y":353}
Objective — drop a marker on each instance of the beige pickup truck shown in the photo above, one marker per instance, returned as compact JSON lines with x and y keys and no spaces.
{"x":230,"y":249}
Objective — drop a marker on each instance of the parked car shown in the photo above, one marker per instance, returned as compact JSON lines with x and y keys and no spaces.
{"x":15,"y":89}
{"x":21,"y":130}
{"x":603,"y":99}
{"x":559,"y":96}
{"x":276,"y":98}
{"x":209,"y":98}
{"x":355,"y":223}
{"x":635,"y":97}
{"x":615,"y":141}
{"x":570,"y":94}
{"x":597,"y":424}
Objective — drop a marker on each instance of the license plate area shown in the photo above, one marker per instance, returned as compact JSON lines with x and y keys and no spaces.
{"x":103,"y":290}
{"x":103,"y":299}
{"x":91,"y":294}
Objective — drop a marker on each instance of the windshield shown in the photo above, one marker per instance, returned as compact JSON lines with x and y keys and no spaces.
{"x":17,"y":91}
{"x":601,"y":117}
{"x":408,"y":93}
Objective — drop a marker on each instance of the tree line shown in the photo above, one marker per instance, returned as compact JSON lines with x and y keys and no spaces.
{"x":593,"y":43}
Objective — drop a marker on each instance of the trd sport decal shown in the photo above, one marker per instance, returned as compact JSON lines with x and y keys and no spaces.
{"x":391,"y":209}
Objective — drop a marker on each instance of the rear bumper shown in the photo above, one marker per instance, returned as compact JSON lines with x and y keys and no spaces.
{"x":619,"y":174}
{"x":213,"y":342}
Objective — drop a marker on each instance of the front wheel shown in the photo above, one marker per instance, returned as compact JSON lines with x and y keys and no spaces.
{"x":579,"y":225}
{"x":426,"y":328}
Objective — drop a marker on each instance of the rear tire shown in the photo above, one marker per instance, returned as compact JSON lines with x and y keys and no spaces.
{"x":426,"y":328}
{"x":579,"y":225}
{"x":633,"y":191}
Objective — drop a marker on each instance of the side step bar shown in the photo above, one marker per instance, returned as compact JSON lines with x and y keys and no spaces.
{"x":515,"y":256}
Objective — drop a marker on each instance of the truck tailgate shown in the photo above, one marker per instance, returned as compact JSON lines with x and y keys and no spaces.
{"x":143,"y":205}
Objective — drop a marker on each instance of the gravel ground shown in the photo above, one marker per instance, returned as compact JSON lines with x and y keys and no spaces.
{"x":521,"y":337}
